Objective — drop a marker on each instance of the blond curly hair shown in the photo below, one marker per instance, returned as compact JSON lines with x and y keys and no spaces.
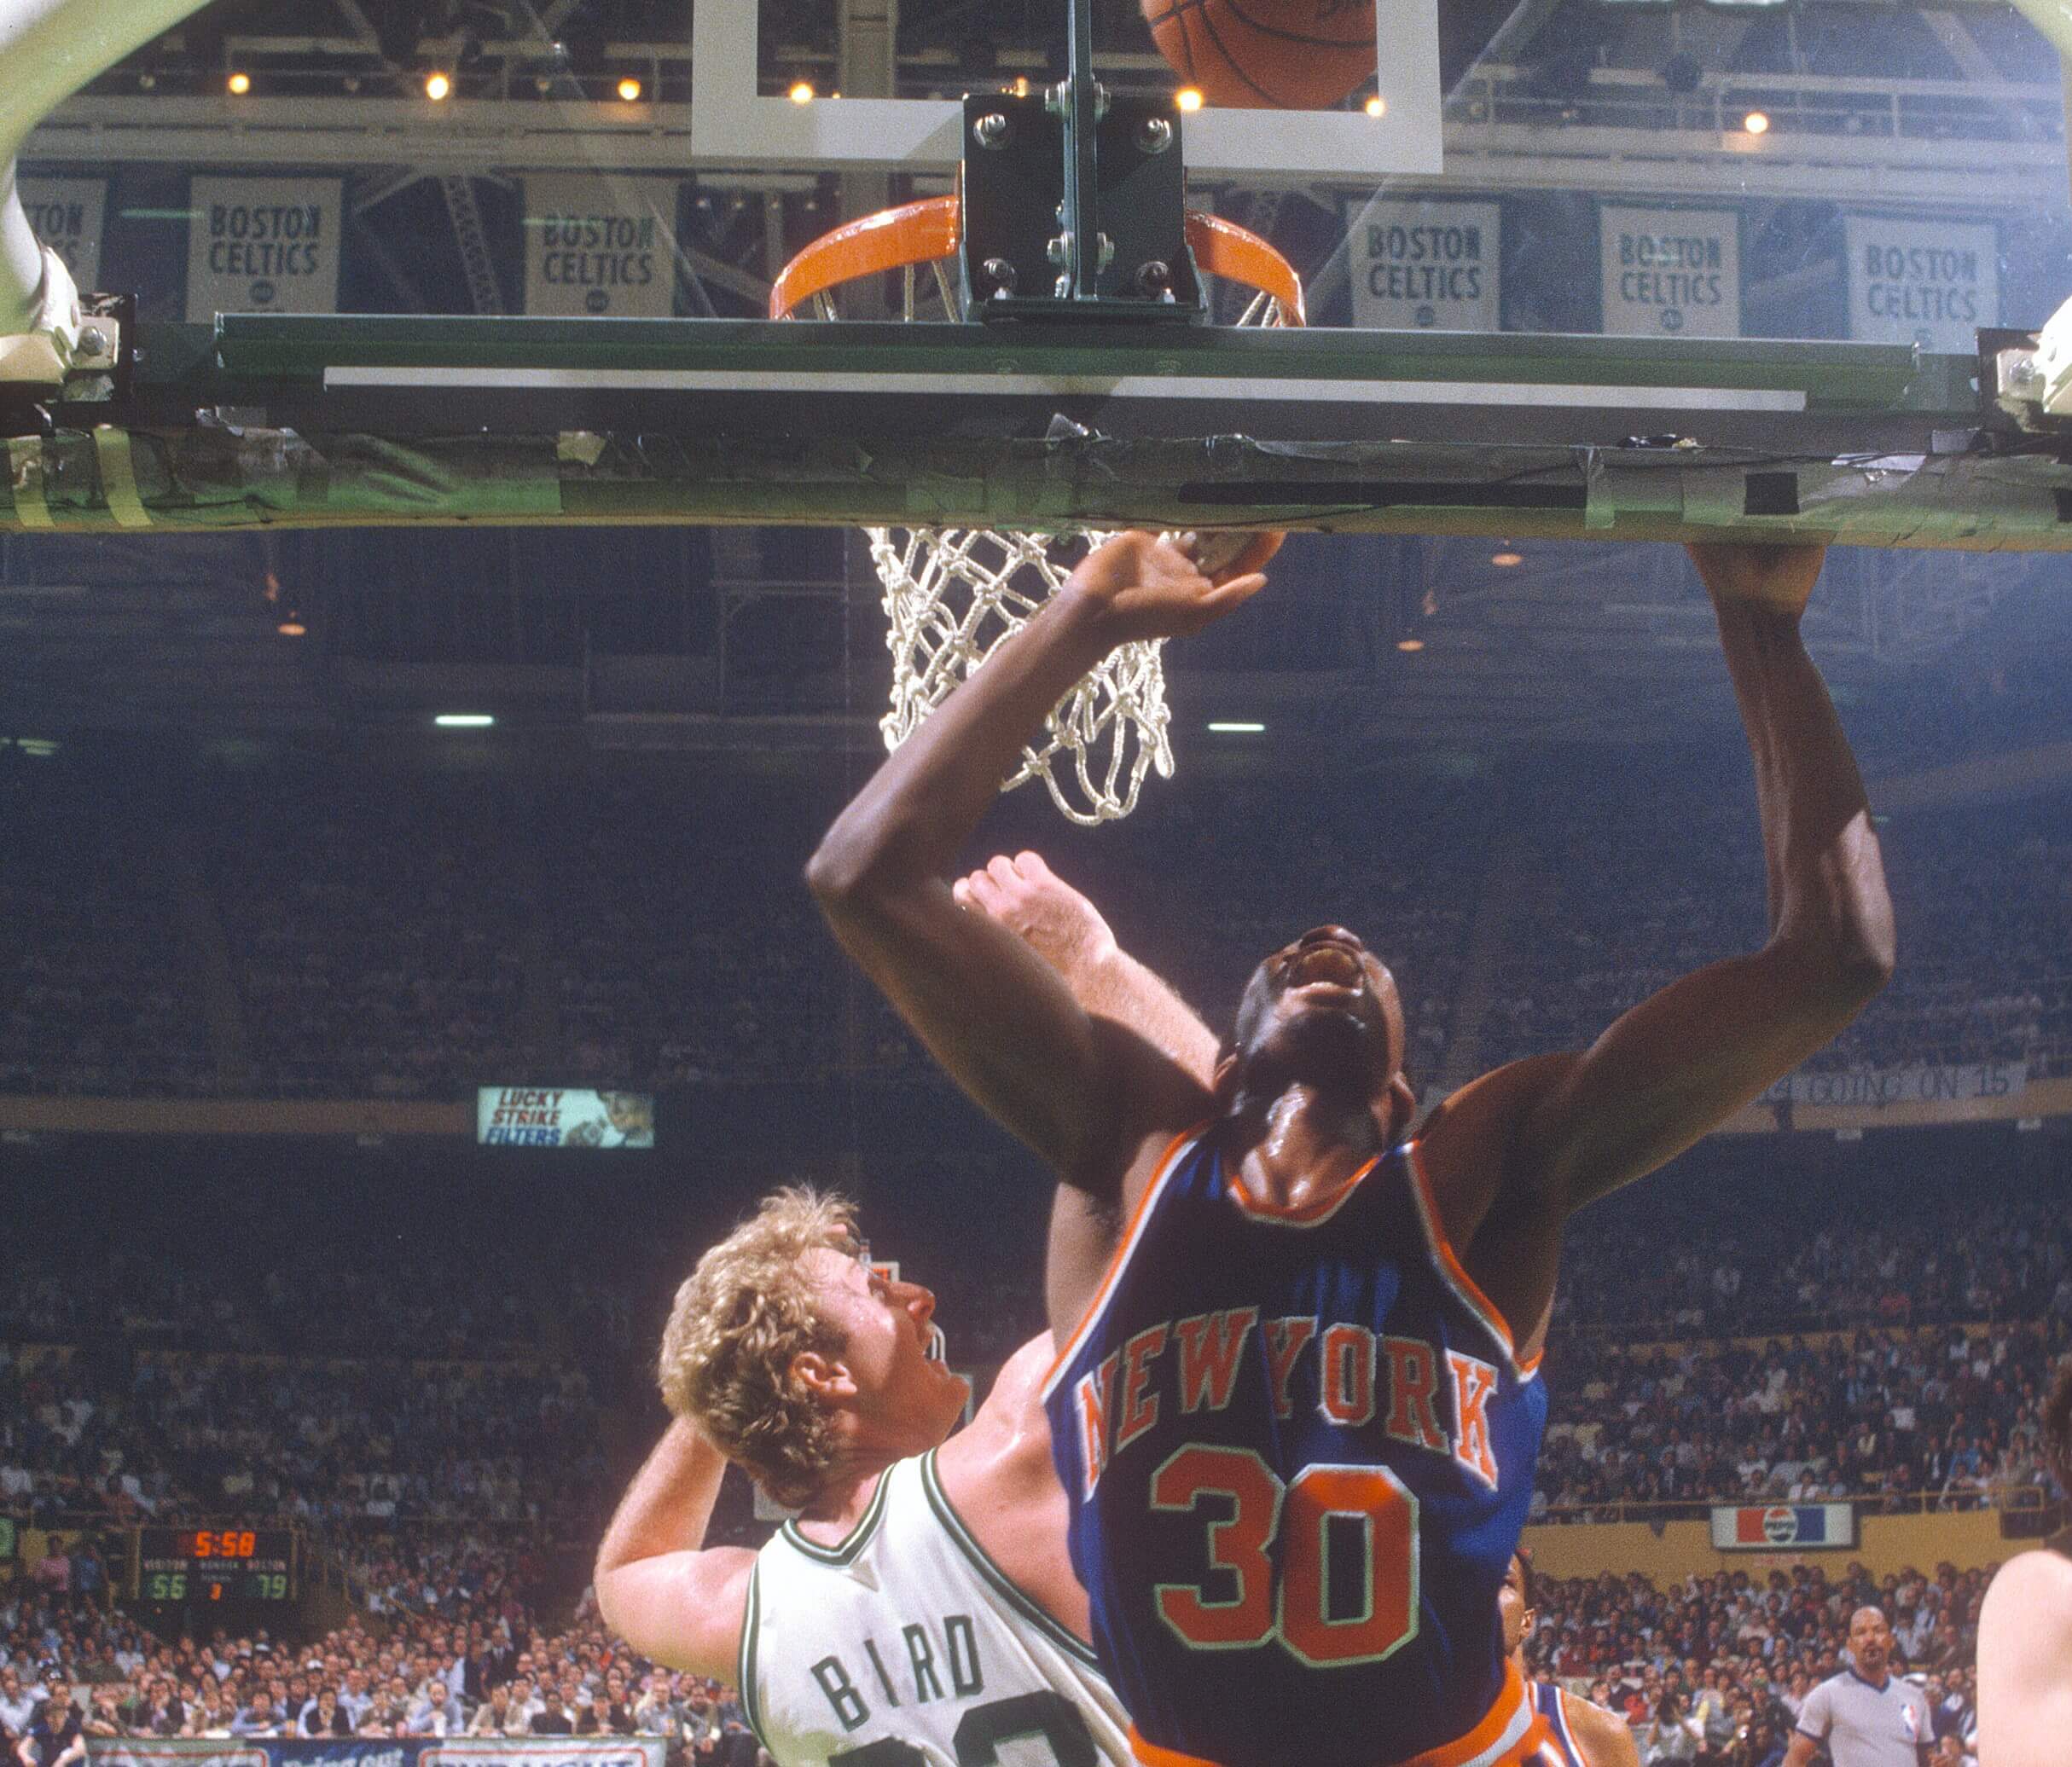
{"x":738,"y":1320}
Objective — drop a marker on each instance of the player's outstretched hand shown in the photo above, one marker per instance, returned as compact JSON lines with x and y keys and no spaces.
{"x":1779,"y":577}
{"x":1149,"y":588}
{"x":1025,"y":896}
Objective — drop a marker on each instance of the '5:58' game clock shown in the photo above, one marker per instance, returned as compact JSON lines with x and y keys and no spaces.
{"x":180,"y":1566}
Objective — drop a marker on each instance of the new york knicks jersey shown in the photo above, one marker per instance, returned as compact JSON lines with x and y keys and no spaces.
{"x":1561,"y":1748}
{"x":1299,"y":1450}
{"x":906,"y":1646}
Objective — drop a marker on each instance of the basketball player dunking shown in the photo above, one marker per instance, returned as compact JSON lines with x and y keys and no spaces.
{"x":2025,"y":1628}
{"x":1296,"y":1409}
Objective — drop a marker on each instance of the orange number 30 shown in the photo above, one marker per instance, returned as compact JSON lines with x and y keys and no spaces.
{"x":1297,"y":1606}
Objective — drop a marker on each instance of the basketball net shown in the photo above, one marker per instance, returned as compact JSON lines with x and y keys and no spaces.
{"x":952,"y":595}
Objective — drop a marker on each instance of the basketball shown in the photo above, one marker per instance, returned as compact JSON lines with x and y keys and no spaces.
{"x":1267,"y":55}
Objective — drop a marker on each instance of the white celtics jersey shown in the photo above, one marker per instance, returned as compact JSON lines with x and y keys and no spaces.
{"x":906,"y":1646}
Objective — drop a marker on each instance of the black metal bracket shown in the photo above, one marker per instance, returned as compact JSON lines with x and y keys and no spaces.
{"x":1075,"y":203}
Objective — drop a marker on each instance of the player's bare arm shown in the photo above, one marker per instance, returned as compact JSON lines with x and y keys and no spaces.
{"x":2025,"y":1663}
{"x":659,"y":1587}
{"x":1558,"y":1131}
{"x":1065,"y":929}
{"x":1606,"y":1739}
{"x":999,"y":1475}
{"x":1094,"y":1101}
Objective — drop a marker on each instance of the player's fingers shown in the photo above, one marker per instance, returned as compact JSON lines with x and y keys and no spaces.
{"x":1031,"y":866}
{"x":1255,"y":556}
{"x":960,"y":892}
{"x":1234,"y":593}
{"x":1002,"y":871}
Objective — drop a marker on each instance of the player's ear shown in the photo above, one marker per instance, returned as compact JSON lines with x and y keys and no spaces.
{"x":826,"y":1379}
{"x":1224,"y":1081}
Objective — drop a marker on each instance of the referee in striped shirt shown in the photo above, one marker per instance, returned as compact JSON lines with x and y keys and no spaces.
{"x":1867,"y":1716}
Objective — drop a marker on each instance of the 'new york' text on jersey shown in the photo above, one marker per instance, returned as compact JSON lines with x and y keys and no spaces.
{"x":1299,"y":1449}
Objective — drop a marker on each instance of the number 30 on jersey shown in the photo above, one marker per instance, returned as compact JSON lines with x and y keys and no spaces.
{"x":1297,"y":1605}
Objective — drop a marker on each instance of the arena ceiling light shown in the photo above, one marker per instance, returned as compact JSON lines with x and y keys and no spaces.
{"x":629,"y":89}
{"x":238,"y":84}
{"x":1237,"y":727}
{"x":1757,"y":123}
{"x":463,"y":720}
{"x":438,"y":86}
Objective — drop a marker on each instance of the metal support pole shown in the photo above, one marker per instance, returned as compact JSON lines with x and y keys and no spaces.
{"x":1082,"y":166}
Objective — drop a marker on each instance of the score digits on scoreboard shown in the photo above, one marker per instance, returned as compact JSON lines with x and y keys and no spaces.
{"x":188,"y":1565}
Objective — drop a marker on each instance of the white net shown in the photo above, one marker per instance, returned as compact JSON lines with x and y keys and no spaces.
{"x":951,"y":595}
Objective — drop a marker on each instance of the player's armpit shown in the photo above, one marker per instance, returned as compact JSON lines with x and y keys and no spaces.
{"x":2025,"y":1663}
{"x":684,"y":1609}
{"x":1679,"y":1064}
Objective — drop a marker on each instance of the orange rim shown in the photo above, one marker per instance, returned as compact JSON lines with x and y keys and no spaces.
{"x":923,"y":232}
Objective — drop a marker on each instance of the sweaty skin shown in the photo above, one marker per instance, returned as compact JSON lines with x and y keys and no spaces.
{"x":1315,"y":1084}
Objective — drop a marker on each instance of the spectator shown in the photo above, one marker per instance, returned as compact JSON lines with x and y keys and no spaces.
{"x":553,"y":1718}
{"x":57,"y":1736}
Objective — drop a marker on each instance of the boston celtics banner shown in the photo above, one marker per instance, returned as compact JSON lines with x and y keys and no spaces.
{"x":67,"y":215}
{"x":601,"y":245}
{"x":1671,"y":272}
{"x":1929,"y":282}
{"x":1426,"y":265}
{"x":262,"y":245}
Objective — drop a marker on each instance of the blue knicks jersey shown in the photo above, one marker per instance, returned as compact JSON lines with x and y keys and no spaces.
{"x":1298,"y":1450}
{"x":1560,"y":1749}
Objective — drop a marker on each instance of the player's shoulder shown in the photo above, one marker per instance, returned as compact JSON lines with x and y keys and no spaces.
{"x":1483,"y":1119}
{"x":1607,"y":1739}
{"x":2031,"y":1588}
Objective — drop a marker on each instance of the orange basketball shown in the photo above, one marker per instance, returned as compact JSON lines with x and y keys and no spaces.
{"x":1267,"y":55}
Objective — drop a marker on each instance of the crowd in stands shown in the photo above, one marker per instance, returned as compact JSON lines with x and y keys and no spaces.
{"x":375,"y":938}
{"x":1901,"y":1419}
{"x":1727,"y":1661}
{"x":346,"y":932}
{"x":95,"y":994}
{"x":451,"y":1645}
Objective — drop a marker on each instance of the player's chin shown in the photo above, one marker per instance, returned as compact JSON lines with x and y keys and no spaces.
{"x":1332,"y":1043}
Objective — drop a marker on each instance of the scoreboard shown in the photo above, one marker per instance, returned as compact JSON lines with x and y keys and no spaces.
{"x":185,"y":1565}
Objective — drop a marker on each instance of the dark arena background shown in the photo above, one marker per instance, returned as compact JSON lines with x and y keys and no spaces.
{"x":406,"y":966}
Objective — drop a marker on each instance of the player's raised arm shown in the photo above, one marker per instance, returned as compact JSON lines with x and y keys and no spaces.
{"x":1679,"y":1064}
{"x":669,"y":1596}
{"x":998,"y":1018}
{"x":1068,"y":932}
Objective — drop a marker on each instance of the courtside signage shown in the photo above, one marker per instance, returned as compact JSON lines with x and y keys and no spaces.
{"x":562,"y":1117}
{"x":262,"y":245}
{"x":67,"y":215}
{"x":1783,"y":1528}
{"x":1671,"y":272}
{"x":1427,"y":266}
{"x":1932,"y":283}
{"x":598,"y":247}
